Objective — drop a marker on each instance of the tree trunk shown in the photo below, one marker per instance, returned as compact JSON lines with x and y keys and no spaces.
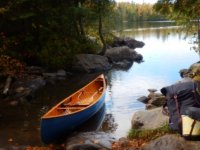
{"x":100,"y":31}
{"x":7,"y":85}
{"x":80,"y":20}
{"x":198,"y":32}
{"x":76,"y":28}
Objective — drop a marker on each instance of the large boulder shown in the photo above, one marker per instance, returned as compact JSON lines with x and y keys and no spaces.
{"x":129,"y":42}
{"x":118,"y":54}
{"x":172,"y":142}
{"x":149,"y":119}
{"x":34,"y":70}
{"x":25,"y":89}
{"x":90,"y":63}
{"x":91,"y":140}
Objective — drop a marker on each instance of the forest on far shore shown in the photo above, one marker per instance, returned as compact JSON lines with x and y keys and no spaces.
{"x":50,"y":33}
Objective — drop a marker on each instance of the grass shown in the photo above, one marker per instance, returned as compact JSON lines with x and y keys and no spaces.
{"x":149,"y":134}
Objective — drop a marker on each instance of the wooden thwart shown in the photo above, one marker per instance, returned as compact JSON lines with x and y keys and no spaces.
{"x":89,"y":100}
{"x":81,"y":103}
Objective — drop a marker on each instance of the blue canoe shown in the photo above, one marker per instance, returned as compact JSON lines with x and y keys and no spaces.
{"x":73,"y":110}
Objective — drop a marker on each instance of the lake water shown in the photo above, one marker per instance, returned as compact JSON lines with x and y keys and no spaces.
{"x":165,"y":53}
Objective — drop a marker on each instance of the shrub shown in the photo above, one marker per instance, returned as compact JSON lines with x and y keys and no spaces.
{"x":149,"y":134}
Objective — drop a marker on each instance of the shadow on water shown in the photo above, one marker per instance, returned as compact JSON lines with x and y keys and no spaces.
{"x":20,"y":124}
{"x":95,"y":122}
{"x":92,"y":124}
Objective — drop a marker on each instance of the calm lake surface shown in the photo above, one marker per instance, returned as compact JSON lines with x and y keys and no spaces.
{"x":165,"y":53}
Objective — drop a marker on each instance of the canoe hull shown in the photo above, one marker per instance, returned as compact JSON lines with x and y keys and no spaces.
{"x":55,"y":128}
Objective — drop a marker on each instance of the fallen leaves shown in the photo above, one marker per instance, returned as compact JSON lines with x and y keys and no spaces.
{"x":134,"y":144}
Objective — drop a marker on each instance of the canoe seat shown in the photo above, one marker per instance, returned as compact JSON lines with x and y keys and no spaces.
{"x":89,"y":100}
{"x":64,"y":110}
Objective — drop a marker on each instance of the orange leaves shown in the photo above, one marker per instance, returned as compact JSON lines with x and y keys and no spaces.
{"x":128,"y":144}
{"x":49,"y":147}
{"x":10,"y":66}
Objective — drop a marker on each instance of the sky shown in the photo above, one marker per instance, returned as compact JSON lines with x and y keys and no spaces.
{"x":138,"y":1}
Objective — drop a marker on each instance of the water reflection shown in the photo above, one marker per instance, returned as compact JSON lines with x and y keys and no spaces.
{"x":94,"y":123}
{"x":159,"y":33}
{"x":166,"y":51}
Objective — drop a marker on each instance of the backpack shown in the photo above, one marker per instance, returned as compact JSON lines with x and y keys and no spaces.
{"x":180,"y":97}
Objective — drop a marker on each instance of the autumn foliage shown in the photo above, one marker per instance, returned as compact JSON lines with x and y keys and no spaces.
{"x":10,"y":66}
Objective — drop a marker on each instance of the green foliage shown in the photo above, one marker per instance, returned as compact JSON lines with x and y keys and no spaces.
{"x":184,"y":12}
{"x":149,"y":134}
{"x":60,"y":52}
{"x":49,"y":33}
{"x":132,"y":12}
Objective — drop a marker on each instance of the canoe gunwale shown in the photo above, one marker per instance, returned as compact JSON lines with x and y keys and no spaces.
{"x":45,"y":116}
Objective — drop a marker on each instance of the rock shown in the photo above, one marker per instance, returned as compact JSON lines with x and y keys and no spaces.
{"x":150,"y":106}
{"x":104,"y":143}
{"x":152,"y":90}
{"x":61,"y":73}
{"x":124,"y":65}
{"x":132,"y":43}
{"x":151,"y":119}
{"x":36,"y":83}
{"x":172,"y":142}
{"x":109,"y":123}
{"x":157,"y":100}
{"x":118,"y":54}
{"x":20,"y":89}
{"x":153,"y":95}
{"x":22,"y":92}
{"x":90,"y":63}
{"x":185,"y":79}
{"x":14,"y":103}
{"x":143,"y":99}
{"x":137,"y":124}
{"x":100,"y":139}
{"x":49,"y":75}
{"x":34,"y":70}
{"x":123,"y":142}
{"x":25,"y":89}
{"x":138,"y":58}
{"x":129,"y":42}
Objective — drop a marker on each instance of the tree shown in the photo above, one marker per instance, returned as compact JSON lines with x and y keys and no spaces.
{"x":33,"y":30}
{"x":184,"y":12}
{"x":100,"y":9}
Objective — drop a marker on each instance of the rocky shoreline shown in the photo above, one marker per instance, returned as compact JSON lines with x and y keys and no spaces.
{"x":21,"y":89}
{"x":121,"y":57}
{"x":120,"y":54}
{"x":153,"y":118}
